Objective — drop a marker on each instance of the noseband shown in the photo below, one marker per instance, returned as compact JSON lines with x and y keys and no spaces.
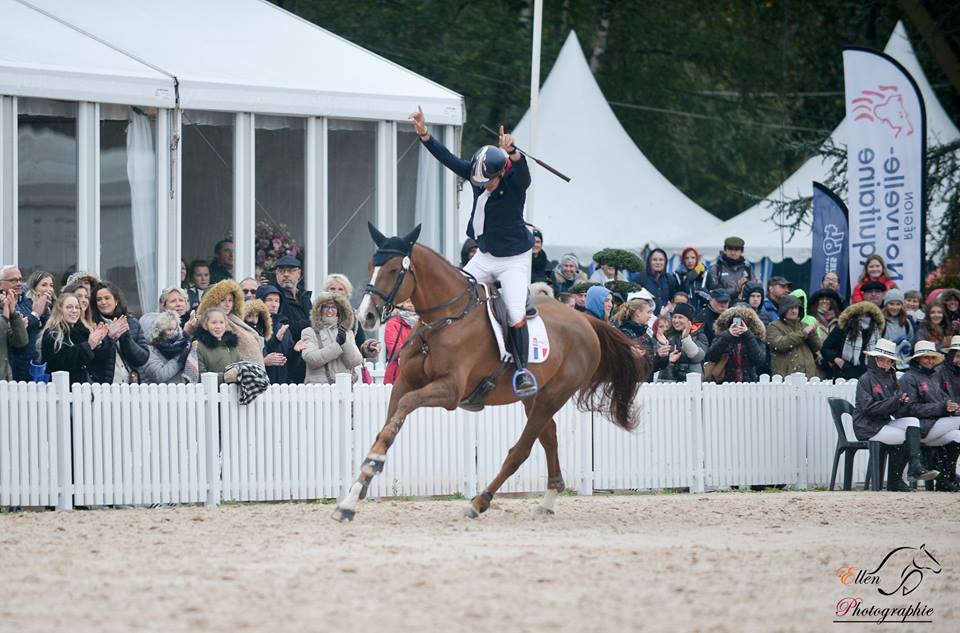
{"x":383,"y":310}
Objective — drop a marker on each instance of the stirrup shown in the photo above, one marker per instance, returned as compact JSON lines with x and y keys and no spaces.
{"x":524,"y":392}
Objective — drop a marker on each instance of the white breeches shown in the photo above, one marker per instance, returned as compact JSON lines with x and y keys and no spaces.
{"x":512,"y":272}
{"x":944,"y":431}
{"x":895,"y":431}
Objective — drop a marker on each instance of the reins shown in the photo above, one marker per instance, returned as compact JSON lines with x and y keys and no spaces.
{"x":472,"y":291}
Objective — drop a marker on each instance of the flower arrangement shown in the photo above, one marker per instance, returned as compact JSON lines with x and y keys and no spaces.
{"x":273,"y":242}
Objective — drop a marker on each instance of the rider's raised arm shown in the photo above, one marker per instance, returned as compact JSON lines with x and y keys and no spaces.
{"x":520,"y":169}
{"x":455,"y":164}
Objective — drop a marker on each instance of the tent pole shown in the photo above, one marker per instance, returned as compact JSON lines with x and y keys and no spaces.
{"x":534,"y":95}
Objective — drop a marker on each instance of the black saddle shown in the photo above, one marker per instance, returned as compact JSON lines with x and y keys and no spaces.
{"x":500,"y":308}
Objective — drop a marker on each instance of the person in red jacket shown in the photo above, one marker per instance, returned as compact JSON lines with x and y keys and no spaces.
{"x":874,"y":269}
{"x":396,"y":331}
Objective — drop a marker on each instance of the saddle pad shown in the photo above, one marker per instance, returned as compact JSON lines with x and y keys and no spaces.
{"x":539,"y":343}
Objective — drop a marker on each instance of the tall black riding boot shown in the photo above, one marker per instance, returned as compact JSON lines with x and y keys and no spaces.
{"x":524,"y":382}
{"x":896,"y":460}
{"x":947,"y":465}
{"x":917,"y":470}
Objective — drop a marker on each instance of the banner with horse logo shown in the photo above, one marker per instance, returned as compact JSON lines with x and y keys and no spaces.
{"x":886,"y":143}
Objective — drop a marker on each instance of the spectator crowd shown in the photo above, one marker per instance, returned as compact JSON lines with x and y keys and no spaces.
{"x":717,"y":320}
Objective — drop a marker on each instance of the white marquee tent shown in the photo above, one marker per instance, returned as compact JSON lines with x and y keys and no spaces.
{"x":233,"y":111}
{"x":616,"y":197}
{"x":763,"y":238}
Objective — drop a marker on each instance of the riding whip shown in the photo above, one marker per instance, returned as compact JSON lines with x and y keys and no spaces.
{"x":533,"y":158}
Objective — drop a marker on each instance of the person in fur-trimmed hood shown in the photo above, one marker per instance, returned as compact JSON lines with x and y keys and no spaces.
{"x":256,"y":315}
{"x":858,"y":329}
{"x":950,"y":298}
{"x":328,"y":346}
{"x":740,"y":335}
{"x":227,"y":296}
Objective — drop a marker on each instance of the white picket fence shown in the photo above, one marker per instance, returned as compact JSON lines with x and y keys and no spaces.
{"x":95,"y":445}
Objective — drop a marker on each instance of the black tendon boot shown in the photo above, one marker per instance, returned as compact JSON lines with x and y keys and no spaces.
{"x":917,"y":470}
{"x":896,"y":460}
{"x":948,"y":466}
{"x":524,"y":382}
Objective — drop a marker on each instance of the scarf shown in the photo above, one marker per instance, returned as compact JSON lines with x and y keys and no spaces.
{"x":853,"y":350}
{"x":826,"y":317}
{"x":171,"y":349}
{"x":408,"y":317}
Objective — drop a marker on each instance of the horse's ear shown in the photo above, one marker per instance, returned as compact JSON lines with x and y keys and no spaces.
{"x":411,"y":237}
{"x":378,"y":237}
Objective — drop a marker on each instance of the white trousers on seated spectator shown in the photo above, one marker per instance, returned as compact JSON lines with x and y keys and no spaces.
{"x":944,"y":431}
{"x":512,"y":272}
{"x":895,"y":431}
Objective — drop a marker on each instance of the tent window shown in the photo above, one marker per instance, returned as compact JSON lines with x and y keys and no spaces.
{"x":47,"y":186}
{"x":419,"y":187}
{"x":207,"y":183}
{"x":128,"y":203}
{"x":352,"y":178}
{"x":280,"y":188}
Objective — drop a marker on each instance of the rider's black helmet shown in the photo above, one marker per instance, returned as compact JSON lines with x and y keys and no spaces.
{"x":487,"y":163}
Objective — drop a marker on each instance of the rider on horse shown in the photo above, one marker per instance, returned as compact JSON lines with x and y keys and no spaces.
{"x":499,"y":177}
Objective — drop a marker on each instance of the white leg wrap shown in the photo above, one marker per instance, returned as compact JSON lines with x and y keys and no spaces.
{"x":549,"y":499}
{"x":349,"y":502}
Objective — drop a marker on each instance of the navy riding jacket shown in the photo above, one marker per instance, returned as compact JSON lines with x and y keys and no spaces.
{"x":504,"y":231}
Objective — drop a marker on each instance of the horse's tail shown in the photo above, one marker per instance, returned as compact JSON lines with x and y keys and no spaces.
{"x":613,"y":386}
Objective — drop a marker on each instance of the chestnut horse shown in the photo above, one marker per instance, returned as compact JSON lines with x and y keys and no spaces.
{"x":454,"y":349}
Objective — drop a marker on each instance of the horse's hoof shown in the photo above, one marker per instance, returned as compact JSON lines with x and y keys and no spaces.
{"x":343,"y":515}
{"x":470,"y":513}
{"x":542,"y":510}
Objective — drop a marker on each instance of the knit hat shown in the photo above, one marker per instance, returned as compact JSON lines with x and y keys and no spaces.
{"x":873,"y":286}
{"x":787,"y":302}
{"x":684,"y":309}
{"x":894,"y":294}
{"x":263,"y":291}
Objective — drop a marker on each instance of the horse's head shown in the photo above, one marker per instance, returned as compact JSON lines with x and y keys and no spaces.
{"x":391,"y":277}
{"x":923,"y":559}
{"x":894,"y":114}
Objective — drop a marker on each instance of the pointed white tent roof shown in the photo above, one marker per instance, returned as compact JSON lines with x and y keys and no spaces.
{"x":616,"y":197}
{"x":248,"y":56}
{"x":762,"y":237}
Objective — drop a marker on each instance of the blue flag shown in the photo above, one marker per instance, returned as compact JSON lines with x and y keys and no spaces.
{"x":831,"y":239}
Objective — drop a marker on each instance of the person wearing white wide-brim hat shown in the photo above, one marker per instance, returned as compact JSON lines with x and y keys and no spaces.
{"x":930,"y":400}
{"x":882,"y":414}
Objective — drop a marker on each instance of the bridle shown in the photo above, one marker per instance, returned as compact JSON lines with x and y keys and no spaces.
{"x":384,"y":309}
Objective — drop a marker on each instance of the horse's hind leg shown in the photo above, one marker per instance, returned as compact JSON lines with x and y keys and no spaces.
{"x":548,"y":440}
{"x":436,"y":394}
{"x":538,"y":415}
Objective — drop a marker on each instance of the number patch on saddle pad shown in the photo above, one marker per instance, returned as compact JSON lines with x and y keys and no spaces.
{"x":539,"y":349}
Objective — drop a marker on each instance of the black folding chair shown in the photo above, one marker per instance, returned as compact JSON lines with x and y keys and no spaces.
{"x":848,"y":447}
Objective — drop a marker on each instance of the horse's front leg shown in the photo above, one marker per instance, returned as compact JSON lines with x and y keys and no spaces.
{"x":441,"y":393}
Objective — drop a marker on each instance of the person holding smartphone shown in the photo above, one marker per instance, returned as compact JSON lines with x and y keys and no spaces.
{"x":740,"y":337}
{"x":685,"y":346}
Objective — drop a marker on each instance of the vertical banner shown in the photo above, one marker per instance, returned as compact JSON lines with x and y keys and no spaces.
{"x":886,"y":146}
{"x":830,"y":253}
